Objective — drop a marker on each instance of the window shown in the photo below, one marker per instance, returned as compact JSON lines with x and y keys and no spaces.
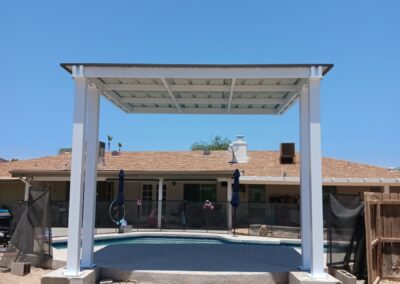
{"x":200,"y":192}
{"x":147,"y":192}
{"x":147,"y":197}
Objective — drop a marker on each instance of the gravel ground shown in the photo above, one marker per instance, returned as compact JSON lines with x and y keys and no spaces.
{"x":35,"y":276}
{"x":32,"y":278}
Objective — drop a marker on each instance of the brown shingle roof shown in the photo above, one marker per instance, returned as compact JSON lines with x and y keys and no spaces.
{"x":261,"y":163}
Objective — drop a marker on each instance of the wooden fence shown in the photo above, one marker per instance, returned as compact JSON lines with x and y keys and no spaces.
{"x":382,"y":224}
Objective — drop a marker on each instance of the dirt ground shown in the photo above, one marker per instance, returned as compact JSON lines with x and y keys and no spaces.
{"x":35,"y":276}
{"x":32,"y":278}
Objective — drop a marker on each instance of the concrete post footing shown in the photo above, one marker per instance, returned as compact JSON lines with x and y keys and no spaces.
{"x":300,"y":277}
{"x":87,"y":276}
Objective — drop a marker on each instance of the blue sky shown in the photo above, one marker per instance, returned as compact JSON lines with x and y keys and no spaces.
{"x":360,"y":96}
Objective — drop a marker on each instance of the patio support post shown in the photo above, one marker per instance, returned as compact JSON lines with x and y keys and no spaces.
{"x":228,"y":205}
{"x":386,"y":188}
{"x":314,"y":152}
{"x":305,"y":181}
{"x":77,"y":173}
{"x":27,"y":181}
{"x":92,"y":144}
{"x":160,"y":197}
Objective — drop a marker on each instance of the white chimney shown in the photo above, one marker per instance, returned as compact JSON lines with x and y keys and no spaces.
{"x":239,"y":149}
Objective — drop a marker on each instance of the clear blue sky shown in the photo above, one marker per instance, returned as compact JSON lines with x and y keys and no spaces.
{"x":360,"y":96}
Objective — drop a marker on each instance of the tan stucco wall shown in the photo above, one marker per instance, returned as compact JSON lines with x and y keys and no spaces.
{"x":221,"y":192}
{"x":11,"y":191}
{"x":58,"y":190}
{"x":174,"y":192}
{"x":356,"y":189}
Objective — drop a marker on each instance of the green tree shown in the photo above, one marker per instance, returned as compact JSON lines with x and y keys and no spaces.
{"x":109,"y":139}
{"x":216,"y":143}
{"x":119,"y":146}
{"x":64,"y":150}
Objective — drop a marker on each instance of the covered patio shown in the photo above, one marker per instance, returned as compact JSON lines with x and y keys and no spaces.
{"x":193,"y":89}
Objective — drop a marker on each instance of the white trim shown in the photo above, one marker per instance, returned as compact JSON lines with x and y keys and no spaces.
{"x":173,"y":98}
{"x":205,"y":101}
{"x":250,"y":111}
{"x":193,"y":72}
{"x":325,"y":181}
{"x":202,"y":88}
{"x":231,"y":95}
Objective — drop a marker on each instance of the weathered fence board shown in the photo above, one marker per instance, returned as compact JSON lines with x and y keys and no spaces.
{"x":382,"y":222}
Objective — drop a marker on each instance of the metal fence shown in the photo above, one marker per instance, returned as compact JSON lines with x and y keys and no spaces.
{"x":181,"y":215}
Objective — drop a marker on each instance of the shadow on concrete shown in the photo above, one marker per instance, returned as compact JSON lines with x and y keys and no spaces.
{"x":199,"y":257}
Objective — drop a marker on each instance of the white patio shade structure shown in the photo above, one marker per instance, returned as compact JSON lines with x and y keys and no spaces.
{"x":265,"y":89}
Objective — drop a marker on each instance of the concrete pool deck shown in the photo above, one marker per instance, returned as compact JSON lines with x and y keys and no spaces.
{"x":237,"y":262}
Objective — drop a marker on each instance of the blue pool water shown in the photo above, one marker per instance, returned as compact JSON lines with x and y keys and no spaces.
{"x":166,"y":240}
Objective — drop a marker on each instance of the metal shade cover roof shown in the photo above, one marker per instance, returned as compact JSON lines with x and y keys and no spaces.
{"x":199,"y":89}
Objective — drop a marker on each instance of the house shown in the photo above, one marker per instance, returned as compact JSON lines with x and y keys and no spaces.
{"x":193,"y":176}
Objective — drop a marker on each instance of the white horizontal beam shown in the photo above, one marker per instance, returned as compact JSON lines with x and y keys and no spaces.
{"x":167,"y":110}
{"x":201,"y":101}
{"x":201,"y":88}
{"x":197,"y":72}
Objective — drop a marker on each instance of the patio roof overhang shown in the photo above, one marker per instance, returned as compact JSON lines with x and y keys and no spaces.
{"x":193,"y":89}
{"x":199,"y":89}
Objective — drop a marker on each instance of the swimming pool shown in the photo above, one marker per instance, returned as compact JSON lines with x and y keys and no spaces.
{"x":163,"y":240}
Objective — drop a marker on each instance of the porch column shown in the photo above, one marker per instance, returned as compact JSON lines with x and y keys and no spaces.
{"x":305,"y":214}
{"x":92,"y":144}
{"x":313,"y":152}
{"x":77,"y":173}
{"x":386,"y":188}
{"x":228,"y":205}
{"x":27,"y":181}
{"x":159,"y":207}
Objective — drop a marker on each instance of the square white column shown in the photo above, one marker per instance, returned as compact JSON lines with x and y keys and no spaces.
{"x":160,"y":197}
{"x":305,"y":180}
{"x":314,"y":151}
{"x":228,"y":204}
{"x":92,"y":144}
{"x":77,"y":174}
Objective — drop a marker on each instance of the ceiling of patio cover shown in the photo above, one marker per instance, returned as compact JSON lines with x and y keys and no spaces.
{"x":199,"y":89}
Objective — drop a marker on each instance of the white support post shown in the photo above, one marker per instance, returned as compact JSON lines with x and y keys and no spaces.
{"x":160,"y":197}
{"x":305,"y":181}
{"x":27,"y":182}
{"x":228,"y":204}
{"x":386,"y":188}
{"x":314,"y":151}
{"x":77,"y":175}
{"x":92,"y":144}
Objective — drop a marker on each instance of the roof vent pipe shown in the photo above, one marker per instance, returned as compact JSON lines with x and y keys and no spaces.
{"x":239,"y":150}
